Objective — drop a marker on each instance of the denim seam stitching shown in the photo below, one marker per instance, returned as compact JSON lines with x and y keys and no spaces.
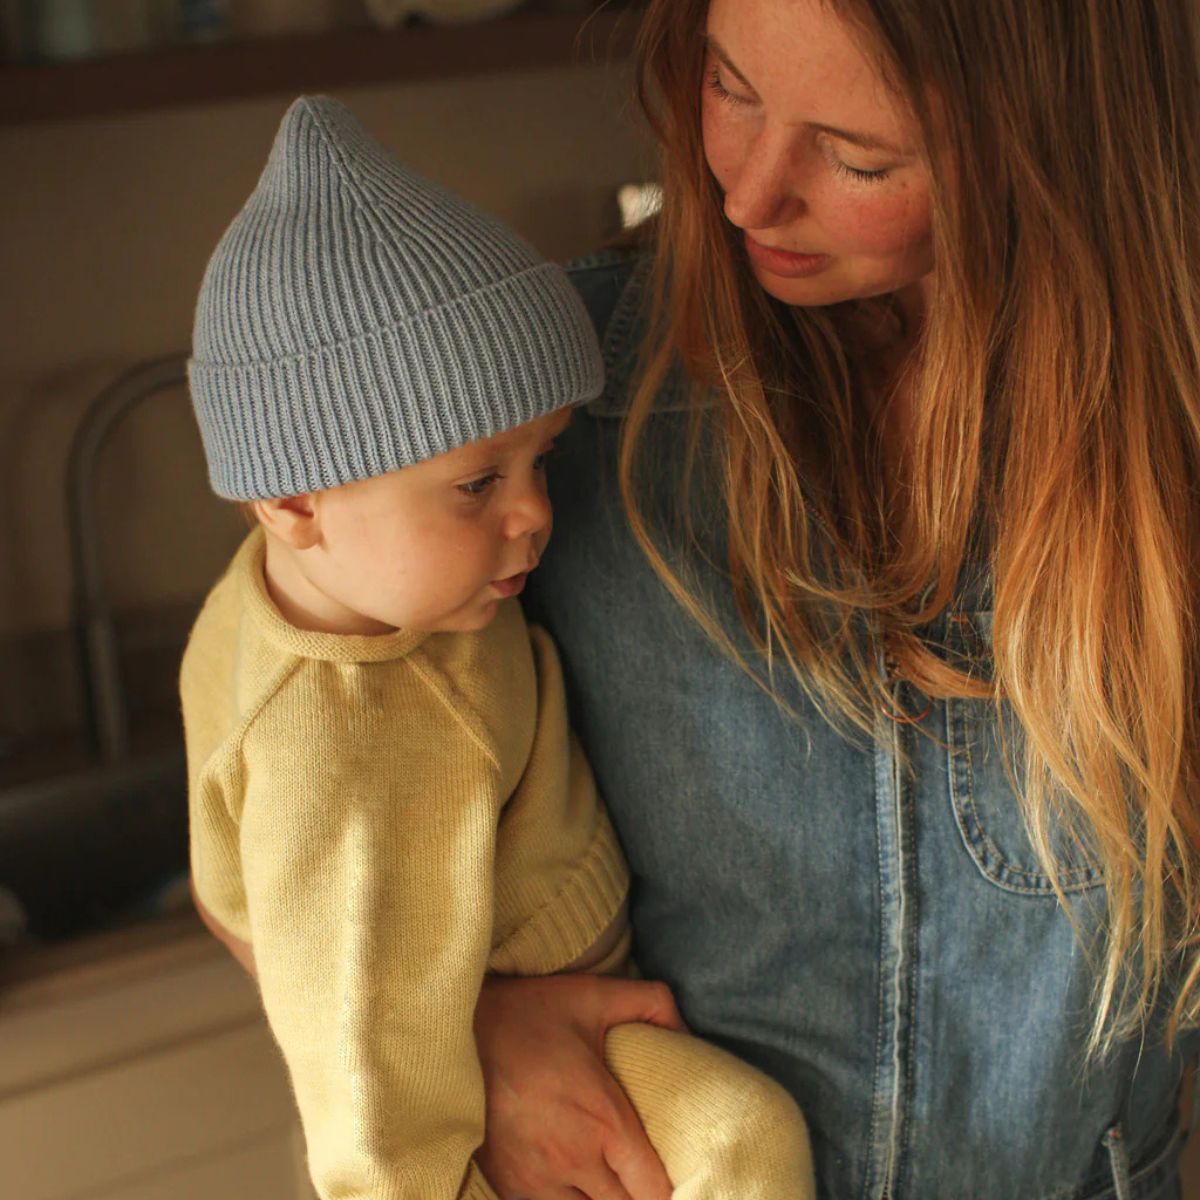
{"x":909,"y":931}
{"x":881,"y":994}
{"x":1145,"y":1176}
{"x":1118,"y":1161}
{"x":988,"y":858}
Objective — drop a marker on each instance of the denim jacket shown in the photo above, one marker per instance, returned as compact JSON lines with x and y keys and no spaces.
{"x":878,"y":937}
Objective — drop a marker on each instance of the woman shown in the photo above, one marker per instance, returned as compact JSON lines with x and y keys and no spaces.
{"x":874,"y":580}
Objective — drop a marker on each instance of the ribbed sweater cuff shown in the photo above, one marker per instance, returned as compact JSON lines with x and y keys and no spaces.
{"x":571,"y":921}
{"x":475,"y":1187}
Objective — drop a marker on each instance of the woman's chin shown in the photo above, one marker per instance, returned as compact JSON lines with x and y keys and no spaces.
{"x":833,"y":287}
{"x":816,"y":291}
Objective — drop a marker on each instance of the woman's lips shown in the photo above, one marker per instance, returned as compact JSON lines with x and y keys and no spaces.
{"x":784,"y":262}
{"x":512,"y":585}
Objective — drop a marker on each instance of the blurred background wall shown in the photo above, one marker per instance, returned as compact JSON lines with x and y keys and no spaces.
{"x":137,"y":1065}
{"x":105,"y":227}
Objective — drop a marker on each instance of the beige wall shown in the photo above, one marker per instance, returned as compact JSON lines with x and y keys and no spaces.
{"x":105,"y":227}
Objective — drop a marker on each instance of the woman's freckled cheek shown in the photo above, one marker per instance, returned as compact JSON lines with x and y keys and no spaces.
{"x":876,"y":226}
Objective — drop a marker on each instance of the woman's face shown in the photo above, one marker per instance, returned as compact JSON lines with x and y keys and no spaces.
{"x":818,"y":160}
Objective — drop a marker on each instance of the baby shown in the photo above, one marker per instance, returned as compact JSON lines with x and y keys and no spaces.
{"x":386,"y":802}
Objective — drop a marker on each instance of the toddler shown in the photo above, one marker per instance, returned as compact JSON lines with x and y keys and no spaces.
{"x":386,"y":801}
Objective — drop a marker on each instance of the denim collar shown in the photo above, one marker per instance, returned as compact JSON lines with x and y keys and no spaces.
{"x":624,"y":334}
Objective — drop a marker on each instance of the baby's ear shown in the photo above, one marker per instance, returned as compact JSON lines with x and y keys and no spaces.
{"x":292,"y":519}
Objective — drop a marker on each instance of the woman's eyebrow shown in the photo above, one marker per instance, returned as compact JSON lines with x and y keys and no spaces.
{"x":727,"y":62}
{"x":863,"y":140}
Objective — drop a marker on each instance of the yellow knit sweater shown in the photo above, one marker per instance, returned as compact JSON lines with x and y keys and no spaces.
{"x":385,"y":819}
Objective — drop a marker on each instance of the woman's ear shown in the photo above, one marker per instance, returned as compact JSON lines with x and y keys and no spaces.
{"x":292,"y":519}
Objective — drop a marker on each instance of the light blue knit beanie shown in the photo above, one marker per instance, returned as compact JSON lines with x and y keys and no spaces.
{"x":356,"y":318}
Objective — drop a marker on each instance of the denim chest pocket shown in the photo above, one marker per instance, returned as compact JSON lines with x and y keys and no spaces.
{"x":985,"y":769}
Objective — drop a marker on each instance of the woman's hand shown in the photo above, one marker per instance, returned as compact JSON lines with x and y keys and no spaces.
{"x":558,"y":1124}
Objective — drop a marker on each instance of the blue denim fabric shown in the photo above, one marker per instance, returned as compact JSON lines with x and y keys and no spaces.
{"x":881,"y":940}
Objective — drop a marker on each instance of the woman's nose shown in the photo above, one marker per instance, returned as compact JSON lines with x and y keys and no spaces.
{"x":766,"y":190}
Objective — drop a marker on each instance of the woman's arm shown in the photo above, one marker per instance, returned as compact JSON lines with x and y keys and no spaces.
{"x":555,"y":1115}
{"x":556,"y":1118}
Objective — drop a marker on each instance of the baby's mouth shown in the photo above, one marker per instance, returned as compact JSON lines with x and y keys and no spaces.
{"x":512,"y":585}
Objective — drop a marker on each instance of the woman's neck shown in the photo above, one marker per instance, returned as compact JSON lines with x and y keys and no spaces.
{"x":914,"y":304}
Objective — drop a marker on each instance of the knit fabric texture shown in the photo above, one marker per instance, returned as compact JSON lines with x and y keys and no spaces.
{"x":356,"y":318}
{"x":387,"y":818}
{"x":384,"y":819}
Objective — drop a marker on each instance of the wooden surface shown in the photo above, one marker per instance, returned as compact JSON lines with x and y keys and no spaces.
{"x":236,"y":70}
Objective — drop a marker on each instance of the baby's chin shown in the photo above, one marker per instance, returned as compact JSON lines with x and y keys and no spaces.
{"x":470,"y":619}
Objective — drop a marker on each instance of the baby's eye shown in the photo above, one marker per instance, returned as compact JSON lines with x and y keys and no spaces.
{"x":477,"y":487}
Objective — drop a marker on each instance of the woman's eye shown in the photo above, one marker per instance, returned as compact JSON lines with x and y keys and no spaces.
{"x":539,"y":463}
{"x":857,"y":174}
{"x":718,"y":89}
{"x":877,"y":176}
{"x":477,"y":487}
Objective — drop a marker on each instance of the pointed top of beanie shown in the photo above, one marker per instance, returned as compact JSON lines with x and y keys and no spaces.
{"x":356,"y":318}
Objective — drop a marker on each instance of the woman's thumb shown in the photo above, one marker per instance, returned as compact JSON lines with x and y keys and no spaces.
{"x":625,"y":1001}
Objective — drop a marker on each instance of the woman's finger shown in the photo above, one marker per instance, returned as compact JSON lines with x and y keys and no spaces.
{"x":602,"y":1184}
{"x":635,"y":1163}
{"x":628,"y":1152}
{"x":626,"y":1001}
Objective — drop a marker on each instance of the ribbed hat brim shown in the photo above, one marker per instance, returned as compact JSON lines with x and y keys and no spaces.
{"x":451,"y":375}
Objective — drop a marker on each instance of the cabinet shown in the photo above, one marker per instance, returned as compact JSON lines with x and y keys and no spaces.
{"x":290,"y":65}
{"x":137,"y":1066}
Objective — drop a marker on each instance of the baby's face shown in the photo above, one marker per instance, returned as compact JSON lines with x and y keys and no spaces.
{"x":437,"y":546}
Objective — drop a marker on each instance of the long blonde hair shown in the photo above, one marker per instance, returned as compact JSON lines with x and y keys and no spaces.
{"x":1055,"y":400}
